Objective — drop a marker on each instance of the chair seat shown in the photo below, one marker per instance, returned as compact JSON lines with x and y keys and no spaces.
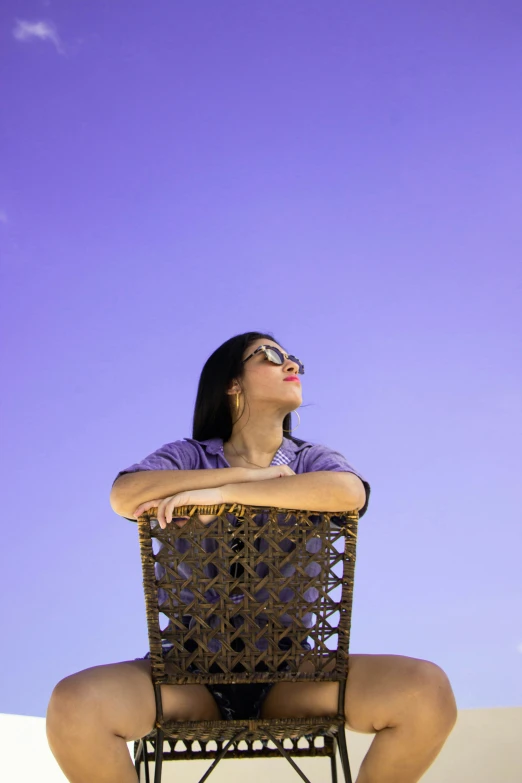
{"x":218,"y":730}
{"x":189,"y":754}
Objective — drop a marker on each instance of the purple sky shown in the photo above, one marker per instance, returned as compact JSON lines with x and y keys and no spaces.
{"x":346,"y":175}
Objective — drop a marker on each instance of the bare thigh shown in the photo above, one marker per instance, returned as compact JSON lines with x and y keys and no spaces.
{"x":121,"y":697}
{"x":381,"y":691}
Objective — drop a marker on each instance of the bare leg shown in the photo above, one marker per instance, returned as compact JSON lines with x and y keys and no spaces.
{"x":94,"y":713}
{"x":411,"y":706}
{"x":407,"y":701}
{"x":401,"y":754}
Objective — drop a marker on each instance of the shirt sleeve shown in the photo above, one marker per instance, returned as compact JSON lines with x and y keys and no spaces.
{"x":320,"y":457}
{"x":179,"y":455}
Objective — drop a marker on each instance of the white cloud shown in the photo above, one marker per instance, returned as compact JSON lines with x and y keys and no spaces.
{"x":519,"y":648}
{"x":3,"y":216}
{"x":44,"y":31}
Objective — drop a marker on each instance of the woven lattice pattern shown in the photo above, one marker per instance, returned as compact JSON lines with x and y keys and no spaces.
{"x":258,"y":595}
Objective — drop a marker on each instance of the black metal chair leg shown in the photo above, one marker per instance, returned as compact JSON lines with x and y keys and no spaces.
{"x":287,"y":756}
{"x":343,"y":752}
{"x":236,"y":738}
{"x":146,"y":762}
{"x":334,"y":763}
{"x":158,"y":760}
{"x":141,"y":753}
{"x":137,"y":758}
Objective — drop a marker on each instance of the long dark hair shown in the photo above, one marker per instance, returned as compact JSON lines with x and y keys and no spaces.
{"x":212,"y":412}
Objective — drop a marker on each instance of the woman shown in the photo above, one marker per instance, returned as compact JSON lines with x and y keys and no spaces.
{"x":238,"y":453}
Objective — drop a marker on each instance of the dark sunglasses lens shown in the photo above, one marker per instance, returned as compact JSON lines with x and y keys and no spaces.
{"x":275,"y":355}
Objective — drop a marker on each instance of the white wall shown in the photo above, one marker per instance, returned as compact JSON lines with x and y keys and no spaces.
{"x":484,"y":747}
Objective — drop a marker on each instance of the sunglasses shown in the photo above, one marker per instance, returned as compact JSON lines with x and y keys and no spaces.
{"x":276,"y":356}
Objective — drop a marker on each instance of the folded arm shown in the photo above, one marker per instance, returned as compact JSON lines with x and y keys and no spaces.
{"x":322,"y":490}
{"x":132,"y":489}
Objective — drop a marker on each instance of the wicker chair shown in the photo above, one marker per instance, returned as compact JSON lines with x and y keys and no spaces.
{"x":225,"y":649}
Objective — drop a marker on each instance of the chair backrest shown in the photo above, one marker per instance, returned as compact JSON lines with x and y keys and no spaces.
{"x":248,"y":597}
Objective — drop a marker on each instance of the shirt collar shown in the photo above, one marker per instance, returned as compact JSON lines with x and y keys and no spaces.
{"x":288,"y":447}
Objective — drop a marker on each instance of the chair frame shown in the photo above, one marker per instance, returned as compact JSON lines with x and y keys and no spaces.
{"x":330,"y":664}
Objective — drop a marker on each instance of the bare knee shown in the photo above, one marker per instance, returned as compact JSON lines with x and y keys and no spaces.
{"x":431,"y":702}
{"x":73,"y":702}
{"x":119,"y":699}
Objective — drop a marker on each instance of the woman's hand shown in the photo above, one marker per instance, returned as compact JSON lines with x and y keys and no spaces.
{"x":273,"y":471}
{"x":190,"y":497}
{"x":204,"y":497}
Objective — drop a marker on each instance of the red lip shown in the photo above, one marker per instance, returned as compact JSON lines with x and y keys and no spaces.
{"x":292,"y":378}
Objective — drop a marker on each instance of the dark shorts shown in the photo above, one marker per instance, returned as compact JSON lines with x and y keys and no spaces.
{"x":238,"y":701}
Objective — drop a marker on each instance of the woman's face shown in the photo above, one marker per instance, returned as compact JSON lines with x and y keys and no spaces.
{"x":265,"y":381}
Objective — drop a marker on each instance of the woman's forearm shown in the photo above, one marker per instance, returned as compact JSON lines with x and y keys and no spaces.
{"x":321,"y":490}
{"x":132,"y":489}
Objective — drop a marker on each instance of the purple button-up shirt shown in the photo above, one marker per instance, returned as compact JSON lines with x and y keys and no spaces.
{"x":190,"y":454}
